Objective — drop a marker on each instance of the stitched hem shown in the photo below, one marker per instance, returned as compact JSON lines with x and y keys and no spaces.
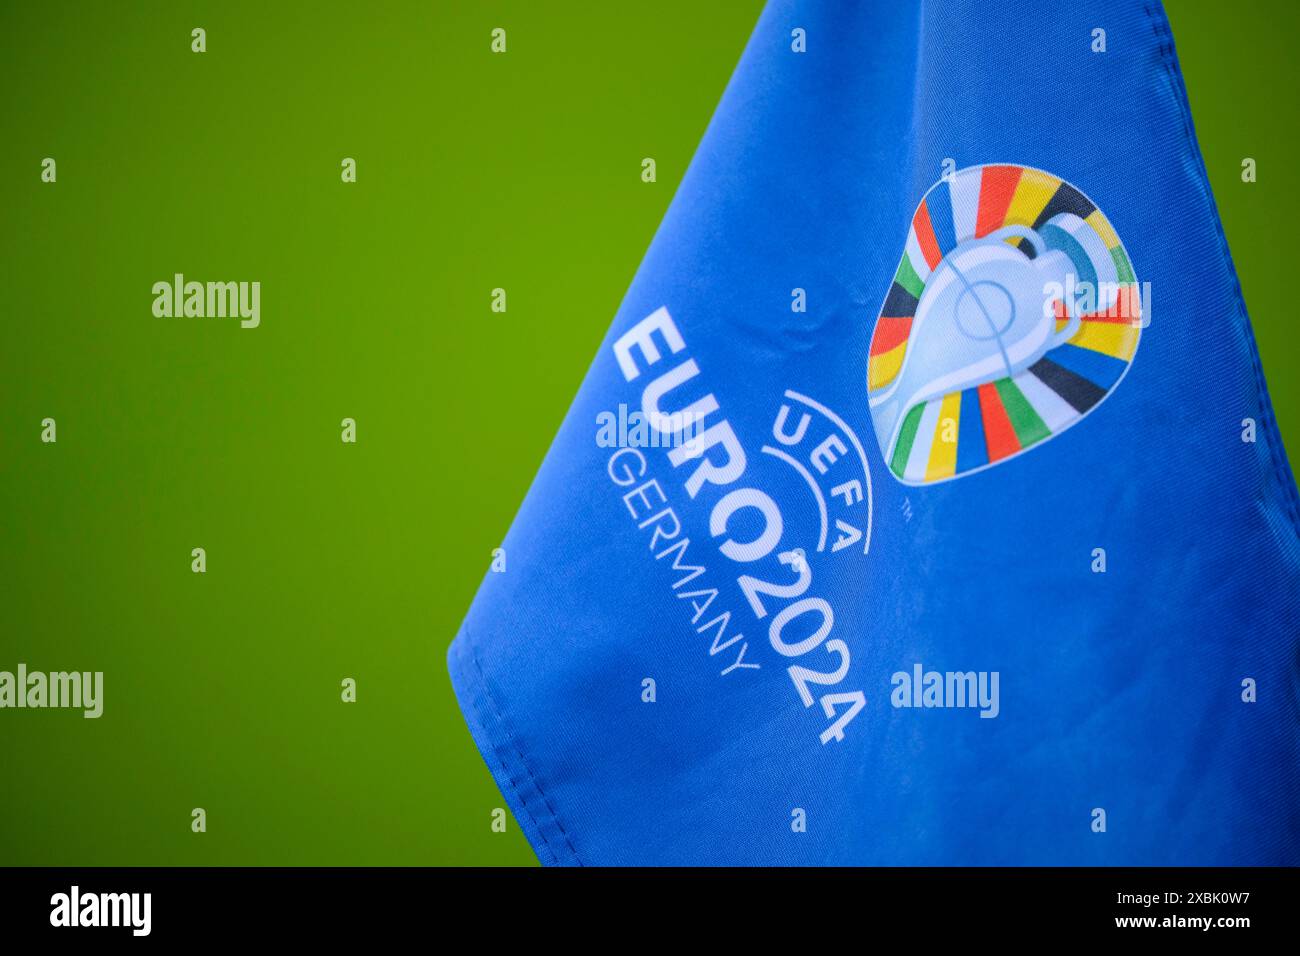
{"x":501,"y":751}
{"x":1273,"y":438}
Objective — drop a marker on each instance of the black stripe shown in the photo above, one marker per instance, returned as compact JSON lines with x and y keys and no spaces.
{"x":1075,"y":389}
{"x":1065,"y":199}
{"x":899,"y":303}
{"x":1025,"y":246}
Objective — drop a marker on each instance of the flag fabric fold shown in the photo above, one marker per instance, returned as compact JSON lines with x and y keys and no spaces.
{"x":924,"y":504}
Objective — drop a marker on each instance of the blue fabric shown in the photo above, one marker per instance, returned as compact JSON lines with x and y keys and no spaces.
{"x":1124,"y":691}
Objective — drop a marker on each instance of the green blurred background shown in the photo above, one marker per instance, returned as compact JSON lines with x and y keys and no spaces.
{"x":328,"y":560}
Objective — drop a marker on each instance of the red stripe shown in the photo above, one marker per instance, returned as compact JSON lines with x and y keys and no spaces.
{"x":890,"y":332}
{"x":1126,"y":310}
{"x":997,"y":186}
{"x":925,"y":236}
{"x":998,"y":433}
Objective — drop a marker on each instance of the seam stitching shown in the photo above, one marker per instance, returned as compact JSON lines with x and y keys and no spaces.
{"x":1281,"y":469}
{"x":514,"y":743}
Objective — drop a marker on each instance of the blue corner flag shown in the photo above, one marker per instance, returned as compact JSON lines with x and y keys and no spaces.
{"x":924,"y":504}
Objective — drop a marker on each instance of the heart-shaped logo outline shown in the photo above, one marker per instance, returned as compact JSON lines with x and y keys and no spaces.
{"x":1078,"y":363}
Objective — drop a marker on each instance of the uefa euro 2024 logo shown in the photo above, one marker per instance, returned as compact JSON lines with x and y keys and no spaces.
{"x":1014,"y":312}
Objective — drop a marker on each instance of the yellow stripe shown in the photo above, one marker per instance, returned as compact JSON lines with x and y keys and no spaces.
{"x":1032,"y":193}
{"x":1117,"y":339}
{"x":882,"y":368}
{"x":1103,"y":228}
{"x":943,"y":452}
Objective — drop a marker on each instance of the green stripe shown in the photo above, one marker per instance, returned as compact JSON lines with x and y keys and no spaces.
{"x":1029,"y":427}
{"x":908,"y":278}
{"x":905,"y":439}
{"x":1121,"y":265}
